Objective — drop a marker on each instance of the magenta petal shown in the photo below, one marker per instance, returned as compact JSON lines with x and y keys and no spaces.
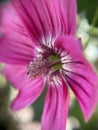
{"x":56,"y":108}
{"x":15,"y":45}
{"x":47,"y":18}
{"x":69,"y":12}
{"x":80,"y":75}
{"x":15,"y":52}
{"x":85,"y":92}
{"x":29,"y":89}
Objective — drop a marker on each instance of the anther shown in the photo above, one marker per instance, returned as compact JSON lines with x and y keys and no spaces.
{"x":37,"y":67}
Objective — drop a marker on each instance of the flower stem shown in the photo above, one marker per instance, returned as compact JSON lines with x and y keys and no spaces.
{"x":92,"y":27}
{"x":93,"y":32}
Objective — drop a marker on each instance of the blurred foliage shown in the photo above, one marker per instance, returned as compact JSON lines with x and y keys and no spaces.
{"x":3,"y":0}
{"x":7,"y":122}
{"x":38,"y":106}
{"x":88,"y":7}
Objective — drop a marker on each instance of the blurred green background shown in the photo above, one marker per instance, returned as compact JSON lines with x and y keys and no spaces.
{"x":87,"y":15}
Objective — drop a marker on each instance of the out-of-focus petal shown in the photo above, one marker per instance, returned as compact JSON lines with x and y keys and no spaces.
{"x":79,"y":75}
{"x":29,"y":88}
{"x":56,"y":108}
{"x":15,"y":52}
{"x":15,"y":45}
{"x":45,"y":19}
{"x":69,"y":12}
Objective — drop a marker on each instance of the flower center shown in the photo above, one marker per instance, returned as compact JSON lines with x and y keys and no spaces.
{"x":43,"y":65}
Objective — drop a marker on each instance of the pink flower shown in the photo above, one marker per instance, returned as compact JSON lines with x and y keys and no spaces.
{"x":40,"y":49}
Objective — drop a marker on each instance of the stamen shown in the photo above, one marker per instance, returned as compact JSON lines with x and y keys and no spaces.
{"x":37,"y":67}
{"x":50,"y":61}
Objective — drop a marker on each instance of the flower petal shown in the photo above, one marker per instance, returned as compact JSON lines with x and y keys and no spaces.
{"x":29,"y":88}
{"x":69,"y":12}
{"x":79,"y":75}
{"x":47,"y":18}
{"x":56,"y":108}
{"x":15,"y":45}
